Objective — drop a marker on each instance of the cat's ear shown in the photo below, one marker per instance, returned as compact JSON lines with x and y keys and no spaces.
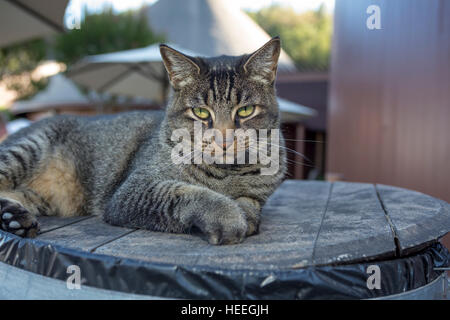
{"x":181,"y":68}
{"x":262,"y":64}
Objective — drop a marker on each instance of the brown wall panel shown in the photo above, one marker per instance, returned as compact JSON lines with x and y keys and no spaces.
{"x":389,"y":95}
{"x":309,"y":92}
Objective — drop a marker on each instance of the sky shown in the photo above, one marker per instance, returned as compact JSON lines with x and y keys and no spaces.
{"x":75,"y":6}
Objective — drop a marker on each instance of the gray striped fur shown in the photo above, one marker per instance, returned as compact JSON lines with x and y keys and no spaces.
{"x":119,"y":166}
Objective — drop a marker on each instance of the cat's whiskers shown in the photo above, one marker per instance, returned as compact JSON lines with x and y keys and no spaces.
{"x":288,"y":160}
{"x":182,"y":159}
{"x":287,"y":149}
{"x":300,"y":140}
{"x":299,"y":163}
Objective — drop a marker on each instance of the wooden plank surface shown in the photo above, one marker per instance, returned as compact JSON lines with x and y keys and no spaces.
{"x":84,"y":235}
{"x":290,"y":222}
{"x":51,"y":223}
{"x":303,"y":223}
{"x":417,"y":218}
{"x":354,"y":226}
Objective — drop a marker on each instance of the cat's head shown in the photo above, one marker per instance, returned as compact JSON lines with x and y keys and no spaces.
{"x":226,"y":92}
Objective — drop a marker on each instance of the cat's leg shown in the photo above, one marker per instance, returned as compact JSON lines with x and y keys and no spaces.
{"x":252,"y":210}
{"x":20,"y":163}
{"x":173,"y":206}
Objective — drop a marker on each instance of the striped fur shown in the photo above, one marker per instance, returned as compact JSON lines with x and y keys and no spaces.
{"x":119,"y":166}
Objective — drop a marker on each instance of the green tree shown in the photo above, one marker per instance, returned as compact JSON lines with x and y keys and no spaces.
{"x":306,"y":36}
{"x":16,"y":64}
{"x":22,"y":57}
{"x":105,"y":32}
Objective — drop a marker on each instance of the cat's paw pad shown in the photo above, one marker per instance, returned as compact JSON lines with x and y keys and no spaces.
{"x":14,"y":218}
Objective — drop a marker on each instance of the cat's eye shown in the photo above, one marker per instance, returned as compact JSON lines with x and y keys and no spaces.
{"x":246,"y":111}
{"x":201,"y":113}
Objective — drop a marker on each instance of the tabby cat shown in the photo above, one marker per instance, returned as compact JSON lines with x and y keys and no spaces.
{"x":119,"y":166}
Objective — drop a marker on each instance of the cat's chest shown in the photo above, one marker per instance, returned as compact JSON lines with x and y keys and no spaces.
{"x":231,"y":185}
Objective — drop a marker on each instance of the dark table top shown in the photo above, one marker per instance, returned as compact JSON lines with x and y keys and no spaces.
{"x":304,"y":223}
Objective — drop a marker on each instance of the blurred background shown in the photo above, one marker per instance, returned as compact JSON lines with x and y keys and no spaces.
{"x":364,"y":93}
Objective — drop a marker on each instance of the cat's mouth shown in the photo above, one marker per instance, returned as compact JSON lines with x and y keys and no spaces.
{"x":249,"y":150}
{"x":234,"y":153}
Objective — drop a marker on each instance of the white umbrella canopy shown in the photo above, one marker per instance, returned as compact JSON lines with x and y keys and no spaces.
{"x":136,"y":72}
{"x":294,"y":112}
{"x":141,"y":73}
{"x":60,"y":93}
{"x":22,"y":20}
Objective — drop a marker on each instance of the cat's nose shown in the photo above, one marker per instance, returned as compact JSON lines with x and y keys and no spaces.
{"x":226,"y":141}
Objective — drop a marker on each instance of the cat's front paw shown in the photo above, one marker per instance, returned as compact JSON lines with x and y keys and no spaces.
{"x":225,"y":223}
{"x":14,"y":218}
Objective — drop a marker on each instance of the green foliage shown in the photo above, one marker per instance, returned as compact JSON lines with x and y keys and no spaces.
{"x":99,"y":33}
{"x":306,"y":37}
{"x":105,"y":32}
{"x":21,"y":59}
{"x":5,"y":115}
{"x":27,"y":87}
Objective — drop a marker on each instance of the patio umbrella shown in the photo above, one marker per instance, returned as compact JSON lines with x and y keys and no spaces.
{"x":60,"y":93}
{"x":136,"y":72}
{"x":141,"y":73}
{"x":21,"y":20}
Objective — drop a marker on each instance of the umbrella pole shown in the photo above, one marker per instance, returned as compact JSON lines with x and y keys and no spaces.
{"x":101,"y":105}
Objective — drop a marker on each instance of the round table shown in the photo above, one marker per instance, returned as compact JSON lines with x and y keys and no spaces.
{"x":317,"y":240}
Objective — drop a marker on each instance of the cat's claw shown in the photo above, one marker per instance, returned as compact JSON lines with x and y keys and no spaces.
{"x":219,"y":238}
{"x":253,"y":228}
{"x":17,"y":220}
{"x":214,"y":239}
